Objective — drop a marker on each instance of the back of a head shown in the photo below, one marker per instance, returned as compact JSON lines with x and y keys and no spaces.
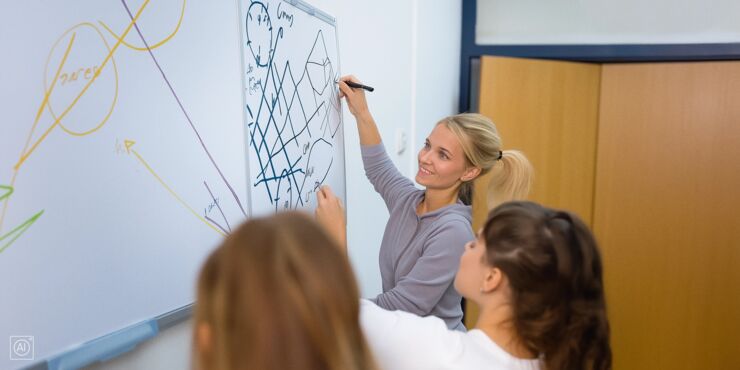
{"x":483,"y":148}
{"x":554,"y":269}
{"x":279,"y":294}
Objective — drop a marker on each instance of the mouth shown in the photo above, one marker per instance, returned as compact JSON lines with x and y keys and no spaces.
{"x":424,"y":171}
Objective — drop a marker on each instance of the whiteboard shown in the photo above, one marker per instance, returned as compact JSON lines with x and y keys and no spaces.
{"x":124,"y":158}
{"x":291,"y":65}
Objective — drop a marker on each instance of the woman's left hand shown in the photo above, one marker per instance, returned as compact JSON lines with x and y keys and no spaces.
{"x":330,"y":215}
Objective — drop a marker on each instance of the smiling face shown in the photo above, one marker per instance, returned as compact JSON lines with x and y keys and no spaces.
{"x":442,"y":162}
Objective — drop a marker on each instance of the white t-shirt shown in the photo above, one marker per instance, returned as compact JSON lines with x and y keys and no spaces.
{"x":403,"y":341}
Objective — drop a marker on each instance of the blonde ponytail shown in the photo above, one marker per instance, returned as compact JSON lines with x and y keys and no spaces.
{"x":511,"y":179}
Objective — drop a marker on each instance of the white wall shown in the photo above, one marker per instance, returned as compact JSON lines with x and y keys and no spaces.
{"x":437,"y":67}
{"x":603,"y":21}
{"x":409,"y":51}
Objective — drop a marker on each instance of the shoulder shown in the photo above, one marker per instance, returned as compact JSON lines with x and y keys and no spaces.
{"x":455,"y":214}
{"x":404,"y":340}
{"x":483,"y":353}
{"x":375,"y":316}
{"x":408,"y":198}
{"x":452,"y":225}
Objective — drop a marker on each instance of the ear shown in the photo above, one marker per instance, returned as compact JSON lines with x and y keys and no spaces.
{"x":492,"y":279}
{"x":203,"y":338}
{"x":470,"y":174}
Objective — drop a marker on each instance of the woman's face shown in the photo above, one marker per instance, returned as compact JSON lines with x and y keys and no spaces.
{"x":442,"y":161}
{"x":473,"y":268}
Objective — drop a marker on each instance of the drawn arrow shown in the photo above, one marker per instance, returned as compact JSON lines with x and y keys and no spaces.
{"x":129,"y":149}
{"x":128,"y":144}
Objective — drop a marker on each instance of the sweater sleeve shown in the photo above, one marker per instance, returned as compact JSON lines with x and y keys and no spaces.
{"x":400,"y":340}
{"x":422,"y":288}
{"x":383,"y":174}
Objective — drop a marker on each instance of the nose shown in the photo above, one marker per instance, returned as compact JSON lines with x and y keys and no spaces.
{"x":425,"y":156}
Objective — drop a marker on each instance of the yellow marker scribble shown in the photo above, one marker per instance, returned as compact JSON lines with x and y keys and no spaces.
{"x":26,"y":152}
{"x":36,"y":121}
{"x":84,"y":89}
{"x":115,"y":75}
{"x":154,"y":46}
{"x":130,"y":143}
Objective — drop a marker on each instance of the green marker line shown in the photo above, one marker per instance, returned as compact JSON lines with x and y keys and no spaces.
{"x":8,"y":188}
{"x":19,"y":230}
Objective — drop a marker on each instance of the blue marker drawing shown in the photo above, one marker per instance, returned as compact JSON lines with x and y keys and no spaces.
{"x":292,"y":103}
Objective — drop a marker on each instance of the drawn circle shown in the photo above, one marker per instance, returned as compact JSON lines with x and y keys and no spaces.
{"x":259,"y":27}
{"x":82,"y":30}
{"x":154,"y":24}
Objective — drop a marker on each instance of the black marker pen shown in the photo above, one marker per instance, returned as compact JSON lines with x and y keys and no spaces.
{"x":355,"y":85}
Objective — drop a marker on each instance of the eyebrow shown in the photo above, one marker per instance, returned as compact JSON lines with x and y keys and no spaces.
{"x":447,"y":152}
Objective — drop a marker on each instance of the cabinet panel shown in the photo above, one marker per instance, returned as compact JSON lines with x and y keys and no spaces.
{"x":548,"y":110}
{"x":667,"y":213}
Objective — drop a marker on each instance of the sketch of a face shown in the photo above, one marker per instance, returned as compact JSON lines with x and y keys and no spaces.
{"x":259,"y":27}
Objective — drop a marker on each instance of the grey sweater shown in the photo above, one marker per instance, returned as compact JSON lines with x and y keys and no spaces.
{"x":419,"y":255}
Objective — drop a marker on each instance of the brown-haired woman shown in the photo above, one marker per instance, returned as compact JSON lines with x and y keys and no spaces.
{"x":278,"y":294}
{"x":536,"y":275}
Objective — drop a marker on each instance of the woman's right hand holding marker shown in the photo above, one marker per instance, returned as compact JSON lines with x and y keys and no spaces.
{"x":355,"y":98}
{"x":357,"y":104}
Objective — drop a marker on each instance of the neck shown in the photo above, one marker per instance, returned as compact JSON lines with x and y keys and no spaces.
{"x":435,"y":199}
{"x":495,"y":322}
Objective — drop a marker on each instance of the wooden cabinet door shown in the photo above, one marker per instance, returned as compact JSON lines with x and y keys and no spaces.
{"x":548,"y":110}
{"x":667,"y":213}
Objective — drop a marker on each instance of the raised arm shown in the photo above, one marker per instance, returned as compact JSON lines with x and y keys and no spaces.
{"x":384,"y":176}
{"x":368,"y":130}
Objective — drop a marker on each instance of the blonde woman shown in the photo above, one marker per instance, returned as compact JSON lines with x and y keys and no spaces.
{"x":427,"y":228}
{"x":278,"y":294}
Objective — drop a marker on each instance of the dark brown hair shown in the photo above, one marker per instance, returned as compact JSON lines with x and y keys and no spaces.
{"x":553,"y":266}
{"x":279,"y":294}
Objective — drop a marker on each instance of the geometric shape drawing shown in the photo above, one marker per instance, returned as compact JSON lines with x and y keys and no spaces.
{"x":122,"y":165}
{"x":293,"y":116}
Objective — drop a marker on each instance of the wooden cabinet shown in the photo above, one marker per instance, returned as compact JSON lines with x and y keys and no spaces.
{"x":649,"y":155}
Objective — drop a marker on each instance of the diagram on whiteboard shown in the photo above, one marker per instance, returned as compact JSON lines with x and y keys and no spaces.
{"x":81,"y":94}
{"x":122,"y":161}
{"x":295,"y":141}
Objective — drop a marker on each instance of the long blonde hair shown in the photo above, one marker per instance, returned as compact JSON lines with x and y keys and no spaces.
{"x":279,"y":294}
{"x":481,"y":143}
